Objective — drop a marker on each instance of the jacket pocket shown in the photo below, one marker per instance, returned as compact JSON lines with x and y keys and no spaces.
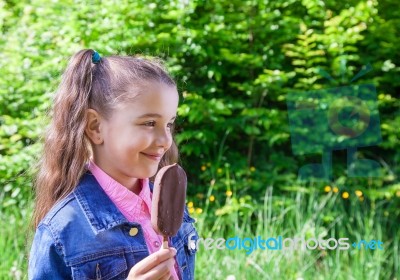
{"x":104,"y":268}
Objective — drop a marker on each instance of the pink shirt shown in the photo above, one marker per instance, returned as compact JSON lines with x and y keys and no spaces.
{"x":135,"y":208}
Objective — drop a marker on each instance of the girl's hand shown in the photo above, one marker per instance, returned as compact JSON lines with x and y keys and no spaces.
{"x":157,"y":266}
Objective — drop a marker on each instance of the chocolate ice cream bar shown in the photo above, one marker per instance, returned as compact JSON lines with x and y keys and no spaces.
{"x":168,"y":203}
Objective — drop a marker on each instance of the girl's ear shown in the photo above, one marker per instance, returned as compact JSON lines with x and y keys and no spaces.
{"x":92,"y":129}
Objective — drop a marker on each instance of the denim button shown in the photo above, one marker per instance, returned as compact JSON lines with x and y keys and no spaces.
{"x":192,"y":245}
{"x":156,"y":243}
{"x":133,"y":231}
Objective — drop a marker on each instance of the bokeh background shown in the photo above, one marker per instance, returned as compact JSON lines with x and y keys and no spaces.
{"x":235,"y":62}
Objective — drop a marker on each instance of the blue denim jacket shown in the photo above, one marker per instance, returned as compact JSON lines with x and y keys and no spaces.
{"x":85,"y":236}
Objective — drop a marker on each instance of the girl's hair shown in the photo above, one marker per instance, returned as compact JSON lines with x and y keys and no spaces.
{"x":85,"y":85}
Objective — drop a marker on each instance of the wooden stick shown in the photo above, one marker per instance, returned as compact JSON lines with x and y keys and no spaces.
{"x":165,"y":242}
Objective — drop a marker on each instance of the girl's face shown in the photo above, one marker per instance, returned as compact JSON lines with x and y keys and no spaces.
{"x":137,"y":135}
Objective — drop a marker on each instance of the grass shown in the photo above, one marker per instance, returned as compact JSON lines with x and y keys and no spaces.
{"x":14,"y":241}
{"x":300,"y":214}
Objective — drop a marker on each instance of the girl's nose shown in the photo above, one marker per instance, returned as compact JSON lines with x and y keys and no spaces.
{"x":163,"y":138}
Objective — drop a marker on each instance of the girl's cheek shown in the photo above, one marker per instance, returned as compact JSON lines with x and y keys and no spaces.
{"x":169,"y":142}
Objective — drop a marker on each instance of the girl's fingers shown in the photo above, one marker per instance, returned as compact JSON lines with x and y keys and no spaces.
{"x":155,"y":260}
{"x":161,"y":270}
{"x":166,"y":276}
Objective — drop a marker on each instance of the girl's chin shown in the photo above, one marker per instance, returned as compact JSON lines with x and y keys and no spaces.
{"x":151,"y":171}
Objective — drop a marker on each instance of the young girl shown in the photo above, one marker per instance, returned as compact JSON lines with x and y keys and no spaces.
{"x":111,"y":130}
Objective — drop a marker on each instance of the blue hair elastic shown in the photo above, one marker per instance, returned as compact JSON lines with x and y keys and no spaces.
{"x":95,"y":57}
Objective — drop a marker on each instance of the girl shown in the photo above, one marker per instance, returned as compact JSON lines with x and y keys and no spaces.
{"x":111,"y":130}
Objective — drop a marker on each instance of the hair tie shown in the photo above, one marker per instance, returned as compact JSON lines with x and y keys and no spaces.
{"x":95,"y":57}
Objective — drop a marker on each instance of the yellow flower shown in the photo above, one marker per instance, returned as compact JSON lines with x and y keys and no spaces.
{"x":190,"y":204}
{"x":358,"y":193}
{"x":212,"y":198}
{"x":252,"y":169}
{"x":335,"y":190}
{"x":199,"y":210}
{"x":219,"y":170}
{"x":228,"y":193}
{"x":327,"y":188}
{"x":345,"y":195}
{"x":191,"y":210}
{"x":203,"y":168}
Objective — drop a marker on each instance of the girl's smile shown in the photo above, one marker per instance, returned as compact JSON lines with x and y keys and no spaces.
{"x":153,"y":156}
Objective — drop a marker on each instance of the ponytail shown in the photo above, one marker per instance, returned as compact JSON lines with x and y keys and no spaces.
{"x":66,"y":150}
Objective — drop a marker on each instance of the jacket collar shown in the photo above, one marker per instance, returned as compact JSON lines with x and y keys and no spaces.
{"x":98,"y":208}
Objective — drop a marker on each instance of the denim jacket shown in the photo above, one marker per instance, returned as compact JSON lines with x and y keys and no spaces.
{"x":85,"y":236}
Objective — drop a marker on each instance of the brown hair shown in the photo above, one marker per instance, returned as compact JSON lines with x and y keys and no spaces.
{"x":86,"y":85}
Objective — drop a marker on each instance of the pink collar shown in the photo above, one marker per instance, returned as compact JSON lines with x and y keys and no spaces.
{"x":133,"y":207}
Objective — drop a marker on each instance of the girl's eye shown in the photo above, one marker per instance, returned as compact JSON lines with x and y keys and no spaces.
{"x":152,"y":123}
